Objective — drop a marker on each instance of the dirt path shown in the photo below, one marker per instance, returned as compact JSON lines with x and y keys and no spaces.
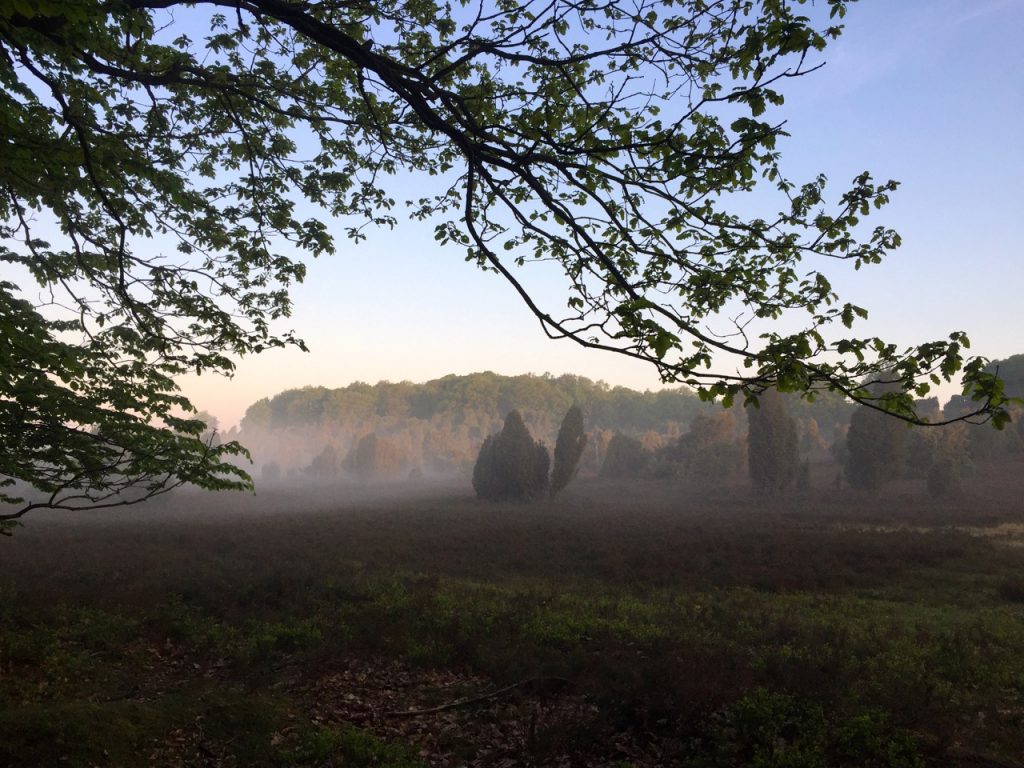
{"x":536,"y":723}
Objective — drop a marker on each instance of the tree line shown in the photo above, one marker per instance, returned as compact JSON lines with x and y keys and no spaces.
{"x":867,"y":451}
{"x":391,"y":430}
{"x":437,"y":427}
{"x":499,"y":430}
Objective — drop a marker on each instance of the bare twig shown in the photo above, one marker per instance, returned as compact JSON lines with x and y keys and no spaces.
{"x":467,"y":701}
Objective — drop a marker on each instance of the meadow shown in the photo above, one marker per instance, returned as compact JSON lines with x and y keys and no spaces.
{"x":621,"y":625}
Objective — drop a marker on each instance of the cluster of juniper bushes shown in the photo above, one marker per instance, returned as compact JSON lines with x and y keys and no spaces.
{"x":512,"y":466}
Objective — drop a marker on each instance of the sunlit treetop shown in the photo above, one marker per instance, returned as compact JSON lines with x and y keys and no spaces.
{"x":160,"y":161}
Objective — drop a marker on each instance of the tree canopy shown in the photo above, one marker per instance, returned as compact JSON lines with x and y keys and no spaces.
{"x":166,"y":167}
{"x":479,"y":395}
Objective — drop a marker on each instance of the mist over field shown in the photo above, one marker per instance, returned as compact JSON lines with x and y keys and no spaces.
{"x":400,"y":433}
{"x":793,"y":584}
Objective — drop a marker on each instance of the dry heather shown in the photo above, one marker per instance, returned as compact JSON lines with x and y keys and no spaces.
{"x":624,"y":625}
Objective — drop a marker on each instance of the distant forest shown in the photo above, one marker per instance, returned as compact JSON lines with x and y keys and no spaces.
{"x":394,"y":430}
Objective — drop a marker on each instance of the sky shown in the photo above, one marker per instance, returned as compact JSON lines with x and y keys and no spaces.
{"x":929,"y":92}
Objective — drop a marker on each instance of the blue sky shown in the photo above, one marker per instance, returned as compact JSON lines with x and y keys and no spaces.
{"x":929,"y":92}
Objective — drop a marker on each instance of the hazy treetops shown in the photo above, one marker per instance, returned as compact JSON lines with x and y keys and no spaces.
{"x":440,"y":424}
{"x":487,"y":394}
{"x":436,"y":429}
{"x":168,"y":166}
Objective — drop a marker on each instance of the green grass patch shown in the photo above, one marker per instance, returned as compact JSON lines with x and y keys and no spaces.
{"x":745,"y":641}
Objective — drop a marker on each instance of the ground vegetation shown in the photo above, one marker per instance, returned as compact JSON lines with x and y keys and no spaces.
{"x":620,"y":624}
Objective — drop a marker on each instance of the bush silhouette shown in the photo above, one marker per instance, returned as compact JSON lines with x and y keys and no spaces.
{"x":511,"y":466}
{"x":568,"y":449}
{"x":374,"y":458}
{"x":272,"y":471}
{"x":875,"y":446}
{"x":326,"y":464}
{"x":773,"y":453}
{"x":485,"y":472}
{"x":625,"y":457}
{"x":944,"y":478}
{"x":708,"y":452}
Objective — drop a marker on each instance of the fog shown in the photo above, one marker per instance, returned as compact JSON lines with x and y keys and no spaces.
{"x":654,"y":610}
{"x":384,"y":446}
{"x":817,"y":570}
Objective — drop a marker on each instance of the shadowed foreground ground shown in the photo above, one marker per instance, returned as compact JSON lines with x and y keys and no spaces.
{"x":622,"y":626}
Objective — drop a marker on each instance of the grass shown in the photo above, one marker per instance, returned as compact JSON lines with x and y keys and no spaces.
{"x":197,"y":726}
{"x":808,"y":634}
